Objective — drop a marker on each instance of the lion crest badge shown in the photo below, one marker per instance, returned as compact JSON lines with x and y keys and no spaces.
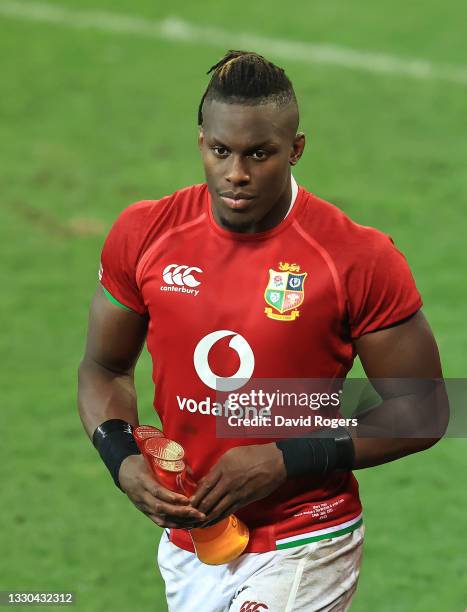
{"x":285,"y":292}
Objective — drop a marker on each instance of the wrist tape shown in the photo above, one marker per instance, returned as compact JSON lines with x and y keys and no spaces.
{"x":114,"y":441}
{"x":325,"y":450}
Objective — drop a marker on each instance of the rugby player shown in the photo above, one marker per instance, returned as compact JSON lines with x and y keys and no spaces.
{"x":249,"y":275}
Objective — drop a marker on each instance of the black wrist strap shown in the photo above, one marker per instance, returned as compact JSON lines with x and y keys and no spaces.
{"x":325,"y":450}
{"x":114,"y":441}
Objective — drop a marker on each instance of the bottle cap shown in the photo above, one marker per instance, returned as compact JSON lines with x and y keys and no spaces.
{"x":144,"y":432}
{"x":147,"y":431}
{"x":164,"y":449}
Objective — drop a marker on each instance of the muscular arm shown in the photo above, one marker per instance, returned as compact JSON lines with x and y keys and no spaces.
{"x":106,"y":391}
{"x":105,"y":379}
{"x":407,"y":352}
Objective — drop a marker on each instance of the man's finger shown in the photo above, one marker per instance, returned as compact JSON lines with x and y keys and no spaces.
{"x":164,"y":523}
{"x":161,"y":522}
{"x":170,"y":522}
{"x":223,"y":512}
{"x":226,"y":506}
{"x":205,"y":486}
{"x":173,"y":512}
{"x":213,"y":498}
{"x":164,"y":494}
{"x":212,"y":520}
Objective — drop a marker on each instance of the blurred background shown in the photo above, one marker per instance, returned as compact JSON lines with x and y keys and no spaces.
{"x":98,"y":109}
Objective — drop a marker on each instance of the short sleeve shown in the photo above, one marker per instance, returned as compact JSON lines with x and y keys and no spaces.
{"x":381,"y":290}
{"x":120,"y":254}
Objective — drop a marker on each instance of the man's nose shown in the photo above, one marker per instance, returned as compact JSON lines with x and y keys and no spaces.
{"x":238,"y":173}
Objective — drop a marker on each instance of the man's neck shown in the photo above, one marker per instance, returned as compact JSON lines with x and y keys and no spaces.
{"x":278,"y":214}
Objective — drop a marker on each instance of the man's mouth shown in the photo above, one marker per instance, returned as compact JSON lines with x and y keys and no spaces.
{"x":236,"y":201}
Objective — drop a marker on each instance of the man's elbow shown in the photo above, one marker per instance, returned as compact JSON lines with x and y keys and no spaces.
{"x":437,"y":417}
{"x":439,"y":427}
{"x":426,"y":443}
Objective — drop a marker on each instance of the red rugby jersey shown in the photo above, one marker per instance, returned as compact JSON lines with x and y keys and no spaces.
{"x":170,"y":259}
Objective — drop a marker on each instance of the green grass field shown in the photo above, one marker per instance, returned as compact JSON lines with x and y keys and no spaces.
{"x":94,"y":118}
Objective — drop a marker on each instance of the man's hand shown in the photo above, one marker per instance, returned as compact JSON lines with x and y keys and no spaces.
{"x":241,"y":476}
{"x":162,"y":506}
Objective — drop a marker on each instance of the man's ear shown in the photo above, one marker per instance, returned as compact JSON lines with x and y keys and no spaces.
{"x":297,"y":148}
{"x":200,"y":137}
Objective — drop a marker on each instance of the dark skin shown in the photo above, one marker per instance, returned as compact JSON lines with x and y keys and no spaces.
{"x":247,"y":149}
{"x":250,"y":149}
{"x":106,"y":390}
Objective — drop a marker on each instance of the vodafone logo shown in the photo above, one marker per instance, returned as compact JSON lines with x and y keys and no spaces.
{"x":224,"y":383}
{"x":180,"y":279}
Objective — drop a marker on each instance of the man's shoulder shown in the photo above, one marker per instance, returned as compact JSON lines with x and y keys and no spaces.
{"x":338,"y":233}
{"x":143,"y":222}
{"x":185,"y":202}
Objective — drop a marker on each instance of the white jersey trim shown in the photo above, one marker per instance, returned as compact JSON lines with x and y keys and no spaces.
{"x":294,"y":194}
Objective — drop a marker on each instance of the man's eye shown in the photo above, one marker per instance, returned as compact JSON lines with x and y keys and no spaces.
{"x":220,"y":151}
{"x":259,"y":155}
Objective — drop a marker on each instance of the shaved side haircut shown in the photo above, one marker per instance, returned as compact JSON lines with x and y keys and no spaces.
{"x":244,"y":77}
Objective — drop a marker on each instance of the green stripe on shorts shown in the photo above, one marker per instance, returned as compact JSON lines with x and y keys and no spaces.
{"x":323,"y":536}
{"x":114,"y":301}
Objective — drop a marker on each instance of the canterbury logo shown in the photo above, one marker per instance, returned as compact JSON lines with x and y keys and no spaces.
{"x":253,"y":606}
{"x":181,"y":275}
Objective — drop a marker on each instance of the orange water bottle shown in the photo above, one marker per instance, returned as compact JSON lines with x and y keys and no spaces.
{"x":216,"y":544}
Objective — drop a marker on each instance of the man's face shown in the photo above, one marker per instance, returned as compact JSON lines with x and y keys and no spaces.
{"x":247,"y":152}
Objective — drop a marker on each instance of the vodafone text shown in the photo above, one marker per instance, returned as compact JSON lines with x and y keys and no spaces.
{"x":258,"y":401}
{"x":224,"y":409}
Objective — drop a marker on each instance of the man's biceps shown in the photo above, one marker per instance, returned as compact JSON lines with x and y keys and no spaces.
{"x":408,"y":350}
{"x":115,"y":336}
{"x":398,"y":346}
{"x":103,"y":312}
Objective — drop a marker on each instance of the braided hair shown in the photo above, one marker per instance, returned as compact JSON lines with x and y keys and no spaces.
{"x":248,"y":78}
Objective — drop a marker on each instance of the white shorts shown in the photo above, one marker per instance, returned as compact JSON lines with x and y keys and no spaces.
{"x":319,"y":576}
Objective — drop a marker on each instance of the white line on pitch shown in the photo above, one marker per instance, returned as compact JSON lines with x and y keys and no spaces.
{"x":174,"y":29}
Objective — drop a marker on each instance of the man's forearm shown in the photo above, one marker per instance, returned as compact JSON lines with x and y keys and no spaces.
{"x":400,"y":426}
{"x":376,"y":451}
{"x":103,"y":395}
